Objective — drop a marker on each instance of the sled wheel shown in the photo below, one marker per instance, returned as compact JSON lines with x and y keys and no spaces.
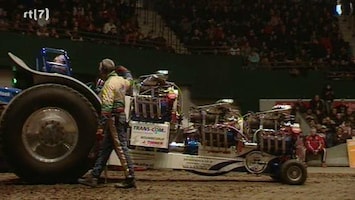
{"x":47,"y":132}
{"x":293,"y":172}
{"x":207,"y":172}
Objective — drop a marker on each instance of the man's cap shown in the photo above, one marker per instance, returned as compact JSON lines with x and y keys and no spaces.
{"x":108,"y":63}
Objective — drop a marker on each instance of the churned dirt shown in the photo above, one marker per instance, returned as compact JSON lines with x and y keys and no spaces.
{"x":173,"y":184}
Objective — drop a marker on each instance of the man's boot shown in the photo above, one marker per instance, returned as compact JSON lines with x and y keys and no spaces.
{"x":129,"y":182}
{"x":89,"y":180}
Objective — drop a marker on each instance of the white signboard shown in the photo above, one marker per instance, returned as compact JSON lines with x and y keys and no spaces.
{"x":150,"y":134}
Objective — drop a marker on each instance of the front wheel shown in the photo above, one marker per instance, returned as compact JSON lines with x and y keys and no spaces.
{"x":47,"y":132}
{"x":293,"y":172}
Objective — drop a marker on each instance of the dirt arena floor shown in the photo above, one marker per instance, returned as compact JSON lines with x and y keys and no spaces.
{"x":322,"y":183}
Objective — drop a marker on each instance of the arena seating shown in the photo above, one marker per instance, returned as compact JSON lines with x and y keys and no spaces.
{"x":284,"y":34}
{"x":269,"y":35}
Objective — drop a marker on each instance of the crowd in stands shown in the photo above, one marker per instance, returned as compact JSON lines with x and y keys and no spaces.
{"x":335,"y":121}
{"x":268,"y":34}
{"x":104,"y":21}
{"x":265,"y":33}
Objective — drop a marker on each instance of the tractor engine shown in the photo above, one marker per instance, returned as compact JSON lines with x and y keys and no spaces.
{"x":216,"y":129}
{"x":280,"y":142}
{"x":155,"y":103}
{"x":154,"y":113}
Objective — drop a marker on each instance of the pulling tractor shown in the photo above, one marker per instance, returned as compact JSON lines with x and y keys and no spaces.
{"x":48,"y":132}
{"x":48,"y":128}
{"x":215,"y":140}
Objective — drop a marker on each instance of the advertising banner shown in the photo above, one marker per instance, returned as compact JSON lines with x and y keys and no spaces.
{"x":351,"y":152}
{"x":150,"y":134}
{"x":266,"y":104}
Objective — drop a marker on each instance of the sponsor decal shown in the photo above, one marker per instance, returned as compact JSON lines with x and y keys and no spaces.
{"x":5,"y":94}
{"x":197,"y":163}
{"x":150,"y":134}
{"x":149,"y":129}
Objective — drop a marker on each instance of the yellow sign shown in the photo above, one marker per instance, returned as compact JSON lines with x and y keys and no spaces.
{"x":351,"y":152}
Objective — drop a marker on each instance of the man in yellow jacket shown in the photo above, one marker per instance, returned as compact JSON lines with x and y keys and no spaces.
{"x":113,"y":120}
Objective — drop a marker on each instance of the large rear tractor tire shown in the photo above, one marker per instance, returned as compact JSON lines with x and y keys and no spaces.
{"x":47,"y":132}
{"x":2,"y":108}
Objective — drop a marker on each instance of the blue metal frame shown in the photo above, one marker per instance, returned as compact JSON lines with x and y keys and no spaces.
{"x":43,"y":64}
{"x":42,"y":61}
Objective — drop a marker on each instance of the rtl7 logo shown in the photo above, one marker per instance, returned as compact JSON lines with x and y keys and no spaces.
{"x":36,"y":14}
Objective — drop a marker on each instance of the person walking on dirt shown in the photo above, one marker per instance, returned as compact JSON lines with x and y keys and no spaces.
{"x":113,"y":121}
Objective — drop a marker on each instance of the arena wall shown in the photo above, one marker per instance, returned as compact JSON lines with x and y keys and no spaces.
{"x":5,"y":77}
{"x":266,"y":104}
{"x":207,"y":77}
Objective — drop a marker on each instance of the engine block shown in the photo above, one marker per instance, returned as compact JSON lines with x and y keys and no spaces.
{"x":274,"y":142}
{"x":152,"y":109}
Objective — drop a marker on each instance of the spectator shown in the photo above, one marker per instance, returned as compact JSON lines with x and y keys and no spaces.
{"x":300,"y":106}
{"x":333,"y":113}
{"x":31,"y":28}
{"x":330,"y":131}
{"x":328,"y":135}
{"x":339,"y":119}
{"x":329,"y":123}
{"x":53,"y":33}
{"x":319,"y":116}
{"x":317,"y":51}
{"x":232,"y":51}
{"x":342,"y":135}
{"x":195,"y":38}
{"x":349,"y":115}
{"x":328,"y":97}
{"x":108,"y":26}
{"x":342,"y":107}
{"x":317,"y":104}
{"x":75,"y":36}
{"x":3,"y":20}
{"x":347,"y":130}
{"x":132,"y":35}
{"x":113,"y":33}
{"x":91,"y":28}
{"x":309,"y":115}
{"x":42,"y":32}
{"x":315,"y":145}
{"x":148,"y":39}
{"x":253,"y":60}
